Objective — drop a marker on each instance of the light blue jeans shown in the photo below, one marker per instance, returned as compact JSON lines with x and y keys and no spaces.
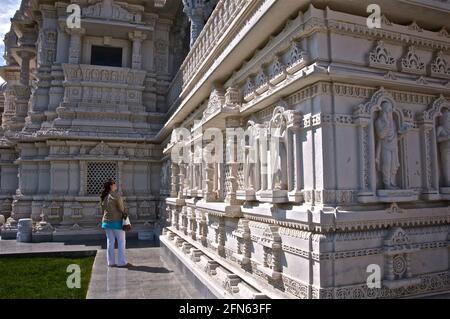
{"x":112,"y":235}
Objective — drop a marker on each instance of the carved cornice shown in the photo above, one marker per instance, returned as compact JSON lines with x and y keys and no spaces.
{"x":110,"y":10}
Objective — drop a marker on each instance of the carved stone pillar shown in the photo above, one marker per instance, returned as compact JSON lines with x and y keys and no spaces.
{"x":25,"y":66}
{"x":75,"y":44}
{"x":209,"y":181}
{"x":137,"y":37}
{"x":47,"y":36}
{"x":181,"y":180}
{"x":198,"y":12}
{"x":45,"y":58}
{"x":295,"y":194}
{"x":187,"y":178}
{"x":83,"y":170}
{"x":231,"y":163}
{"x":173,"y":182}
{"x":11,"y":74}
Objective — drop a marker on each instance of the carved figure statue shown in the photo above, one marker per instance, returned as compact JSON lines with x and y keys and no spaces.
{"x":250,"y":149}
{"x":387,"y":153}
{"x":197,"y":168}
{"x":278,"y":153}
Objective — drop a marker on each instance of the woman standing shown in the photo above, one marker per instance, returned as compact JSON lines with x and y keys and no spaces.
{"x":113,"y":214}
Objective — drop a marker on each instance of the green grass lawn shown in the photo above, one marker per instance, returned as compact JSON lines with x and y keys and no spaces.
{"x":42,"y":277}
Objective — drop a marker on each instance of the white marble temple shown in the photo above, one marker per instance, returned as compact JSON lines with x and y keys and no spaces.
{"x":344,"y":165}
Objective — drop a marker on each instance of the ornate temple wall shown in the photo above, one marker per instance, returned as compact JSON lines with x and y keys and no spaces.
{"x":359,"y":176}
{"x":357,"y":181}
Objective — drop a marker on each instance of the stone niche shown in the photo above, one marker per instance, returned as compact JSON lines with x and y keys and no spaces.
{"x":435,"y":128}
{"x":270,"y":173}
{"x":382,"y":129}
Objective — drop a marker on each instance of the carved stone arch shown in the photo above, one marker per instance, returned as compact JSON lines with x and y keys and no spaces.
{"x":435,"y":133}
{"x":279,"y":153}
{"x":279,"y":117}
{"x":436,"y":108}
{"x":365,"y":116}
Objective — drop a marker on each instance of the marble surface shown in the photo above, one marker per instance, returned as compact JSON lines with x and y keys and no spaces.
{"x":8,"y":247}
{"x":152,"y":276}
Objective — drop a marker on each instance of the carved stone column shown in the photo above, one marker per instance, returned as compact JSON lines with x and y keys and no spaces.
{"x":231,"y":163}
{"x":209,"y":181}
{"x":45,"y":58}
{"x":187,"y":178}
{"x":12,"y":96}
{"x":75,"y":44}
{"x":21,"y":98}
{"x":119,"y":175}
{"x":83,"y":169}
{"x":181,"y":180}
{"x":26,"y":57}
{"x":173,"y":182}
{"x":137,"y":37}
{"x":295,"y":194}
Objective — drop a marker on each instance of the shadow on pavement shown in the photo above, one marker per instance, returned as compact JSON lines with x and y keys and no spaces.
{"x":161,"y":270}
{"x":131,"y":243}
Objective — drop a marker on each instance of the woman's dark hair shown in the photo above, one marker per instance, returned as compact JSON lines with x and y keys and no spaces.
{"x":107,"y":188}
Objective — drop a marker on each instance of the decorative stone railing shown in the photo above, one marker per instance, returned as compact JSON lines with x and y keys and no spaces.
{"x":175,"y":88}
{"x":219,"y":21}
{"x":100,"y":84}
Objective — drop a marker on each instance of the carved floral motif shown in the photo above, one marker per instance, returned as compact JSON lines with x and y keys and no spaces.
{"x":380,"y":57}
{"x":440,"y":67}
{"x":412,"y":63}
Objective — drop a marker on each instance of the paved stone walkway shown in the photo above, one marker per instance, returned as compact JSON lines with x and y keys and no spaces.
{"x":151,"y":276}
{"x":12,"y":247}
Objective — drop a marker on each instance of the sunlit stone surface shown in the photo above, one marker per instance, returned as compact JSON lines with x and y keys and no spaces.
{"x":351,"y":201}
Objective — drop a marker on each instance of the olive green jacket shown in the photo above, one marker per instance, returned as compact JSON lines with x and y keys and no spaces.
{"x":112,"y":207}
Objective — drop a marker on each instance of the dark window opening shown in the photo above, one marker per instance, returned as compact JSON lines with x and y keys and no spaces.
{"x":106,"y":56}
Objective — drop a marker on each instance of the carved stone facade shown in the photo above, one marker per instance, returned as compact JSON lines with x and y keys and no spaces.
{"x":344,"y":156}
{"x":69,"y":123}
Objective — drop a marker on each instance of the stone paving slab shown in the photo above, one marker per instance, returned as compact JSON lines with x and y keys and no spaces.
{"x":12,"y":247}
{"x":151,"y":276}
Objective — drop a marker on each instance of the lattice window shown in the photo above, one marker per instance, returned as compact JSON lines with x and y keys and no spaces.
{"x":97,"y":174}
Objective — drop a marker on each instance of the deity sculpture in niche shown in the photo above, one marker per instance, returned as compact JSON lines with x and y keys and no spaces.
{"x":443,"y":139}
{"x":197,"y":168}
{"x":252,"y":152}
{"x":387,"y":152}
